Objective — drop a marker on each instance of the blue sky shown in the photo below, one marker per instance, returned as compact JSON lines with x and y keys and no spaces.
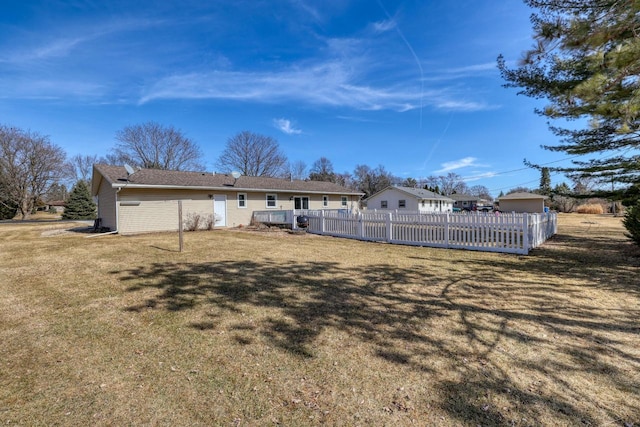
{"x":409,"y":85}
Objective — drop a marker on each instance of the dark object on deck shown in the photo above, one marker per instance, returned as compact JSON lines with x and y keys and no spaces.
{"x":302,"y":221}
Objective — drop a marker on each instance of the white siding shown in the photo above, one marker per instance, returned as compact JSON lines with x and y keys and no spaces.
{"x":107,"y":205}
{"x":393,"y":197}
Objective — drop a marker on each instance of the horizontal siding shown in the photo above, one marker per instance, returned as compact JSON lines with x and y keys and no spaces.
{"x":520,"y":206}
{"x":107,"y":206}
{"x":142,"y":210}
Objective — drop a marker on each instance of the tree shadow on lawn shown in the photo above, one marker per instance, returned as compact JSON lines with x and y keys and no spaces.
{"x":422,"y":317}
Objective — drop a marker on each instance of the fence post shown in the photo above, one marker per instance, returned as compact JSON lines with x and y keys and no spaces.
{"x":446,"y":230}
{"x":360,"y":225}
{"x":525,"y":233}
{"x":389,"y":227}
{"x":322,"y":221}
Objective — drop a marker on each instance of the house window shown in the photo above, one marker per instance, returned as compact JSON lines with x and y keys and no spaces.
{"x":402,"y":203}
{"x":272,"y":199}
{"x":242,"y":200}
{"x":325,"y":201}
{"x":464,"y":203}
{"x":383,"y":204}
{"x":343,"y":201}
{"x":423,"y":203}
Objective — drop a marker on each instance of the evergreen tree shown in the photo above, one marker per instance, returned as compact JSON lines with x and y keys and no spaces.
{"x":545,"y":182}
{"x":631,"y":222}
{"x":8,"y":209}
{"x":586,"y":64}
{"x":80,"y":204}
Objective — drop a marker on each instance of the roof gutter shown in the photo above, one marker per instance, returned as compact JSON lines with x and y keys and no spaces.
{"x":226,"y":188}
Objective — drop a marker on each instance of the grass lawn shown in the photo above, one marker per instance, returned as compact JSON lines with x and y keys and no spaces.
{"x":270,"y":328}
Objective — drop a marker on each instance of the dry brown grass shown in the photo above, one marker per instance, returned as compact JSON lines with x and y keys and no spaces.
{"x":278,"y":329}
{"x":590,"y":208}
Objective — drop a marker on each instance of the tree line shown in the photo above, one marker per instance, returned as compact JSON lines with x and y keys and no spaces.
{"x":33,"y":169}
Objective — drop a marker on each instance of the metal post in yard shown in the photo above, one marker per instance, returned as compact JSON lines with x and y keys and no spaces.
{"x":180,"y":239}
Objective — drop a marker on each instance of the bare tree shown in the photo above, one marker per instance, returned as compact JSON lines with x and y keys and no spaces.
{"x":519,"y":189}
{"x":153,"y":146}
{"x":322,"y":170}
{"x":448,"y":184}
{"x":80,"y":167}
{"x":297,"y":170}
{"x":29,"y":165}
{"x":480,"y":191}
{"x":370,"y":181}
{"x":252,"y":154}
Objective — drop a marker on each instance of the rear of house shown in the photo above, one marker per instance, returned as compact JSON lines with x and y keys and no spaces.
{"x":147,"y":200}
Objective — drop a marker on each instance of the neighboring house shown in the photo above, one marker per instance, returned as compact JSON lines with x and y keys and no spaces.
{"x":147,"y":200}
{"x":409,"y":199}
{"x":466,"y":201}
{"x":56,"y":205}
{"x":522,"y":202}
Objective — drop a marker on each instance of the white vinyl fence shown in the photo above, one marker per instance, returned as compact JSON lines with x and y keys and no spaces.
{"x":494,"y":232}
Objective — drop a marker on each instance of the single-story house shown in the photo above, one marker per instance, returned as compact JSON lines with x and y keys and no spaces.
{"x":522,"y":202}
{"x":409,"y":199}
{"x":147,"y":199}
{"x":56,"y":205}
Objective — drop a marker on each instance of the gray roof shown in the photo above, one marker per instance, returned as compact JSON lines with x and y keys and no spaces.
{"x":522,"y":196}
{"x":418,"y":193}
{"x":156,"y":178}
{"x":464,"y":197}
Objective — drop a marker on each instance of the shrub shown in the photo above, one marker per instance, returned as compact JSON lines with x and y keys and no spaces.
{"x":591,"y":208}
{"x":80,"y":204}
{"x":195,"y":221}
{"x":192,"y":222}
{"x":631,"y":222}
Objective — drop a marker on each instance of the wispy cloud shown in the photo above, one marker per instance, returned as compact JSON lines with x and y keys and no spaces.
{"x":457,"y":164}
{"x":60,"y":47}
{"x":328,"y":84}
{"x":286,"y":126}
{"x":487,"y":66}
{"x":461,"y":105}
{"x":383,"y":26}
{"x":479,"y":176}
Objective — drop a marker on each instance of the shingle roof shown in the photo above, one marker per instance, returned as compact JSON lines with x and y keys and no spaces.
{"x":421,"y":193}
{"x":463,"y":197}
{"x":418,"y":193}
{"x":149,"y":178}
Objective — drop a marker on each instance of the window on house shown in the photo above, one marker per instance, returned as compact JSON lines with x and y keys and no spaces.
{"x":242,"y":200}
{"x":272,"y":199}
{"x":343,"y":201}
{"x":423,"y":203}
{"x":402,"y":203}
{"x":383,"y":204}
{"x":325,"y":201}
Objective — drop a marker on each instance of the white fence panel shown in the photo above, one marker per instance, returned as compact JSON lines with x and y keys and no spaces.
{"x":506,"y":232}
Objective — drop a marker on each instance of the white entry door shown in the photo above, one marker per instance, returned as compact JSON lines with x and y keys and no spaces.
{"x":220,"y":210}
